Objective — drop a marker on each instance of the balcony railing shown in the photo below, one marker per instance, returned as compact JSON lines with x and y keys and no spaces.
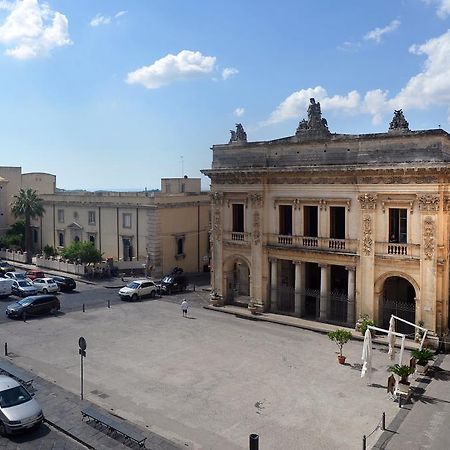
{"x":319,"y":243}
{"x":236,"y":236}
{"x":397,"y":250}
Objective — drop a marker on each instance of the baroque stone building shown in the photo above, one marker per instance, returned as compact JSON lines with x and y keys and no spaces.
{"x":334,"y":226}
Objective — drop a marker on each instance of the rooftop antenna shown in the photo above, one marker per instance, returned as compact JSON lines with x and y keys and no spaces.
{"x":182,"y":166}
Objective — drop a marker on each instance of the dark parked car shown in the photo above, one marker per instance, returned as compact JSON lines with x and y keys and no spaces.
{"x":173,"y":283}
{"x":33,"y":306}
{"x":22,"y":288}
{"x":65,"y":284}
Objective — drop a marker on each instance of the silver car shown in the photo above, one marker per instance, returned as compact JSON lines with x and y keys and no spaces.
{"x":18,"y":409}
{"x":23,"y":288}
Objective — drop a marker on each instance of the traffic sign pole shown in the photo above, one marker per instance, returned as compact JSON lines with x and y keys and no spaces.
{"x":82,"y":351}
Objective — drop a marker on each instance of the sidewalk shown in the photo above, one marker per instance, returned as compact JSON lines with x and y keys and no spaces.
{"x":62,"y":411}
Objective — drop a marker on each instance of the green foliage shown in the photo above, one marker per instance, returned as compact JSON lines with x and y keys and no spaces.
{"x":82,"y":252}
{"x":366,"y":322}
{"x":402,"y":371}
{"x":49,"y":251}
{"x":341,"y":337}
{"x":422,"y":356}
{"x":14,"y":238}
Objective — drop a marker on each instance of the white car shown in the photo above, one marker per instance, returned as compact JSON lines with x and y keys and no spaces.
{"x":137,"y":289}
{"x":45,"y":285}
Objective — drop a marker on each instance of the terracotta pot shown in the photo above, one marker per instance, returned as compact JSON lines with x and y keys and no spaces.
{"x":341,"y":359}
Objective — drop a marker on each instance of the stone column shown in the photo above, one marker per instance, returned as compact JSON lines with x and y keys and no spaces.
{"x":351,"y":295}
{"x":323,"y":307}
{"x":273,"y":283}
{"x":299,"y":288}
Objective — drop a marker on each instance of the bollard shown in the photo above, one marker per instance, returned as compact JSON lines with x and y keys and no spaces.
{"x":254,"y":442}
{"x":109,"y":304}
{"x":24,"y":315}
{"x":364,"y":442}
{"x":194,"y":287}
{"x":6,"y":349}
{"x":383,"y":421}
{"x":84,"y":309}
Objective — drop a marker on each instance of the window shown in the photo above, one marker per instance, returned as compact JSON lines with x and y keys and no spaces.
{"x":75,"y":214}
{"x":91,"y":217}
{"x":180,"y":246}
{"x":337,"y":222}
{"x":238,"y":217}
{"x":60,"y":215}
{"x":61,"y":239}
{"x":35,"y":236}
{"x":126,"y":220}
{"x":285,"y":213}
{"x":92,"y":238}
{"x":398,"y":225}
{"x":183,"y":187}
{"x":310,"y":221}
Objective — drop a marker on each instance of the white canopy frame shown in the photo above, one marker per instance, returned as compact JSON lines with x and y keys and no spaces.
{"x":403,"y":336}
{"x":425,"y":330}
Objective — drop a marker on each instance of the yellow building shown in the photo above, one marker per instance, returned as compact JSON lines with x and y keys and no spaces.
{"x":161,"y":230}
{"x":334,"y":226}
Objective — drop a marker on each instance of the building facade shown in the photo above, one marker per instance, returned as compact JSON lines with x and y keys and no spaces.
{"x":332,"y":227}
{"x":158,"y":230}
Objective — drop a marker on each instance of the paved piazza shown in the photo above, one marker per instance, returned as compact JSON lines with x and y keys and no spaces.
{"x":209,"y":381}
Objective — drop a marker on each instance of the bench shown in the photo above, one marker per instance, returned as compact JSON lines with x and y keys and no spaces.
{"x":114,"y":425}
{"x":18,"y":374}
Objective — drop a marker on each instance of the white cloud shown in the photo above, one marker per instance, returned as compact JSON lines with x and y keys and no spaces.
{"x":185,"y":65}
{"x":239,"y":112}
{"x":428,"y":88}
{"x":377,"y":33}
{"x":32,"y":30}
{"x":349,"y":46}
{"x":100,"y":19}
{"x":229,"y":72}
{"x":443,"y":7}
{"x":6,"y":5}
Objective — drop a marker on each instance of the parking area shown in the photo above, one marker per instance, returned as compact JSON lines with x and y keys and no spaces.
{"x":210,"y":380}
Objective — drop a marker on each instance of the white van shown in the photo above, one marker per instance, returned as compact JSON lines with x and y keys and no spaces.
{"x":5,"y":286}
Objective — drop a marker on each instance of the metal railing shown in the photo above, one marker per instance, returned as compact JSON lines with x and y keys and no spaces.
{"x":320,"y":243}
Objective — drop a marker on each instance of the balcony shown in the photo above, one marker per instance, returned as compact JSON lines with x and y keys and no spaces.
{"x":390,"y":249}
{"x":316,"y":243}
{"x":236,"y":237}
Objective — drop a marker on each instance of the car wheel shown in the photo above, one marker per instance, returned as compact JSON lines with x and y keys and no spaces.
{"x":45,"y":291}
{"x":2,"y":429}
{"x":153,"y":294}
{"x":134,"y":298}
{"x":169,"y":291}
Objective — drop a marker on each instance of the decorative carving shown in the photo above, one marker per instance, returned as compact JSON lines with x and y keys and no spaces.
{"x":256,"y":199}
{"x":399,"y":123}
{"x":217,"y":198}
{"x":256,"y":228}
{"x":239,"y":135}
{"x":428,"y":237}
{"x":217,"y":227}
{"x":367,"y":235}
{"x":368,"y":201}
{"x":323,"y":204}
{"x":316,"y":126}
{"x":428,"y":202}
{"x":446,"y":203}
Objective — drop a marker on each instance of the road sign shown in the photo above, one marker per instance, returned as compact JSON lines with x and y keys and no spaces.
{"x":82,"y":352}
{"x":82,"y":343}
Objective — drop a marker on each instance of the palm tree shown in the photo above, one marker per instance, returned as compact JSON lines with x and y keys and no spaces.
{"x":27,"y":205}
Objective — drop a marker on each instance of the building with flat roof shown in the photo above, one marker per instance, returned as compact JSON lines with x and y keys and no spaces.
{"x":332,"y":227}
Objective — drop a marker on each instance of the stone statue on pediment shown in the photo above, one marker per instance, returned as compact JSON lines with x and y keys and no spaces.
{"x":315,"y":126}
{"x":239,"y":135}
{"x":399,"y":123}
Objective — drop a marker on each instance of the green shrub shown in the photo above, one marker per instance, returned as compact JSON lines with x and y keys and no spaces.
{"x":341,"y":337}
{"x":422,"y":356}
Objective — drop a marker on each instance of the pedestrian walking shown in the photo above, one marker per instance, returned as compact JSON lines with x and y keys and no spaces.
{"x":184,"y":307}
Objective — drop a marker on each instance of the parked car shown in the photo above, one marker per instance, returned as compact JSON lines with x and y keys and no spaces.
{"x":16,"y":275}
{"x":33,"y":306}
{"x":138,"y":289}
{"x":65,"y":284}
{"x":5,"y":287}
{"x":32,"y":274}
{"x":173,"y":283}
{"x":5,"y":266}
{"x":45,"y":285}
{"x":19,"y":411}
{"x":23,"y":288}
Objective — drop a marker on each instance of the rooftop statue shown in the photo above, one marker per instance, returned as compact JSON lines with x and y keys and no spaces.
{"x":239,"y":135}
{"x":399,"y":122}
{"x":315,"y":124}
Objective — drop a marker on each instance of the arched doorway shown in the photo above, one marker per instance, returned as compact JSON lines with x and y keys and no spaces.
{"x":398,"y":298}
{"x":237,"y":277}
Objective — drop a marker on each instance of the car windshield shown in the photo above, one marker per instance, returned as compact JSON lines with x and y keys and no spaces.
{"x":133,"y":285}
{"x":25,"y":301}
{"x":13,"y":397}
{"x":20,"y":276}
{"x":167,"y":280}
{"x":24,"y":283}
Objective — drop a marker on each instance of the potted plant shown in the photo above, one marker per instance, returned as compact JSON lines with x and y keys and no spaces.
{"x":403,"y":372}
{"x":364,"y":324}
{"x":215,"y":299}
{"x":422,"y":357}
{"x":341,"y":337}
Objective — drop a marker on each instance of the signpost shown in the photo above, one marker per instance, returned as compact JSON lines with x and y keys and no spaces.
{"x":82,"y":352}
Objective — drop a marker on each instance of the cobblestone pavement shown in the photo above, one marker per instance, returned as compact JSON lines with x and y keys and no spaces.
{"x":42,"y":438}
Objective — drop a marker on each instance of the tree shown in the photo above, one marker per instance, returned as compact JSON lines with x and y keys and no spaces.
{"x":29,"y":206}
{"x":83,"y":252}
{"x":14,"y":237}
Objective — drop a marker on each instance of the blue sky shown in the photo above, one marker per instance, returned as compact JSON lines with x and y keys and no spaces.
{"x":116,"y":94}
